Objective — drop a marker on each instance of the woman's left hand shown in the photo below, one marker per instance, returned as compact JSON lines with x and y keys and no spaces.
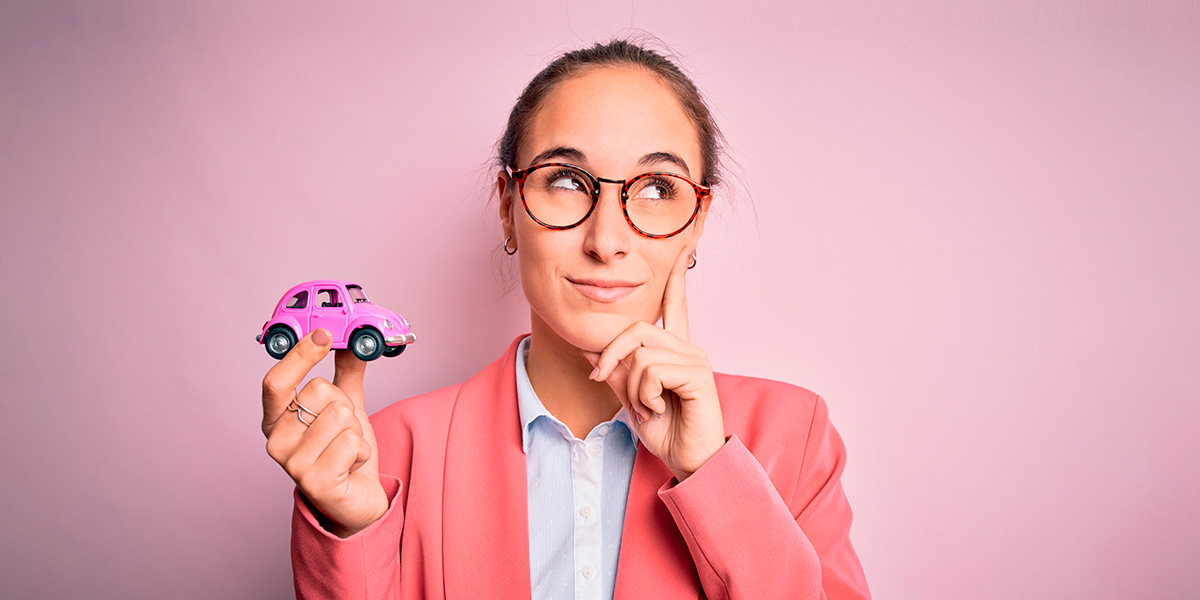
{"x":666,"y":383}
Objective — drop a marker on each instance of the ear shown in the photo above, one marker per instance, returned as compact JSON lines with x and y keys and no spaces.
{"x":505,"y":192}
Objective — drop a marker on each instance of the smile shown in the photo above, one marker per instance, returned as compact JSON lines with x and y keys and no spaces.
{"x":604,"y":291}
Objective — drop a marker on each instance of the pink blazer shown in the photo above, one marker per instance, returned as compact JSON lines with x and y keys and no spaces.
{"x":766,"y":517}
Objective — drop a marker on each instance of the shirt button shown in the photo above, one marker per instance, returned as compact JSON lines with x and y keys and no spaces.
{"x":588,"y":571}
{"x":594,"y":450}
{"x":585,"y":512}
{"x":603,"y":429}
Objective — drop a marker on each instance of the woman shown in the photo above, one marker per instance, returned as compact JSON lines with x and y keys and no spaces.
{"x":600,"y":456}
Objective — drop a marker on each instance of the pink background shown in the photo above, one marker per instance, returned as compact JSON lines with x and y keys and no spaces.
{"x":973,"y":230}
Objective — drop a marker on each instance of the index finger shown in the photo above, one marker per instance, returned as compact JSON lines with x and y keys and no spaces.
{"x":279,"y":386}
{"x":674,"y":306}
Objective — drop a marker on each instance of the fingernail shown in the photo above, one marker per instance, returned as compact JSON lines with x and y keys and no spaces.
{"x":639,"y":417}
{"x":595,"y":372}
{"x":320,"y":337}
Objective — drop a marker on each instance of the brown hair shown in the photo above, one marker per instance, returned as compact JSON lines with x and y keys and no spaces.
{"x":617,"y":52}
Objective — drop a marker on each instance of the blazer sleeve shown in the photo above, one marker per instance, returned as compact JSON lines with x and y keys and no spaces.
{"x":749,"y":542}
{"x":364,"y":565}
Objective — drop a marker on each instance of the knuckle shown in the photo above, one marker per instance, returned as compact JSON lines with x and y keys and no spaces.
{"x":637,"y":358}
{"x":345,"y":417}
{"x":295,"y":470}
{"x":275,"y":449}
{"x":320,"y":385}
{"x":274,"y":383}
{"x":648,"y":390}
{"x":340,"y":411}
{"x":347,"y":441}
{"x":309,"y":481}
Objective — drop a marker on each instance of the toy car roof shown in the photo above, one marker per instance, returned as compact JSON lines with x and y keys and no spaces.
{"x":316,"y":282}
{"x":295,"y":289}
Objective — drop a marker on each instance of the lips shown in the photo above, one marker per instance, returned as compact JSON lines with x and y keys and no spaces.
{"x":604,"y":290}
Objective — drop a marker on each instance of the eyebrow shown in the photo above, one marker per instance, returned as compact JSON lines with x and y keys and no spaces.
{"x":577,"y":155}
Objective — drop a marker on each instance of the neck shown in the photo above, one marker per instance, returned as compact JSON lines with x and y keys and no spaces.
{"x":559,"y":375}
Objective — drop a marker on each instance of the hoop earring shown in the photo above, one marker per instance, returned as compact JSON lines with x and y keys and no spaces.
{"x":692,"y":264}
{"x":506,"y":251}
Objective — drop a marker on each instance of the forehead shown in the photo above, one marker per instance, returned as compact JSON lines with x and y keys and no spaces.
{"x":615,"y":115}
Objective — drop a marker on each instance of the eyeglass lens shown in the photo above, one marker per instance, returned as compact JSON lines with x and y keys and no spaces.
{"x":561,"y":196}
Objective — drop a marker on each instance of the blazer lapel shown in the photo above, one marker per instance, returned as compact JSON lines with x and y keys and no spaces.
{"x":485,"y":524}
{"x":654,"y":561}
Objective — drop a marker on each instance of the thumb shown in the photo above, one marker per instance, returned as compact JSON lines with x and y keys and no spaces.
{"x":348,"y":376}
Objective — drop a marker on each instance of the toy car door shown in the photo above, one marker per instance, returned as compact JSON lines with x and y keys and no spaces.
{"x":331,"y":312}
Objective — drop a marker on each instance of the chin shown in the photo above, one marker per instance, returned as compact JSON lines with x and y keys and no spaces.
{"x":595,"y":331}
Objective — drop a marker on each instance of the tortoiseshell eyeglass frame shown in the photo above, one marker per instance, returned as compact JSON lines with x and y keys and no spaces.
{"x":702,"y":192}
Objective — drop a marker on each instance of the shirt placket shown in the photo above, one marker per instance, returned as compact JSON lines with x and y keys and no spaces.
{"x":587,"y":465}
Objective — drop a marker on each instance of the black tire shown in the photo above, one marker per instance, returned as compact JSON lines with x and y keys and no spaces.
{"x":279,"y":341}
{"x":394,"y":351}
{"x":366,"y":344}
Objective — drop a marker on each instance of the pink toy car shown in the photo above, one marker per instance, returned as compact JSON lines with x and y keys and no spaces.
{"x":369,"y":330}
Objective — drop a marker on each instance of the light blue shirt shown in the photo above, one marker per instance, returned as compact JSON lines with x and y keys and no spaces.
{"x":577,"y":493}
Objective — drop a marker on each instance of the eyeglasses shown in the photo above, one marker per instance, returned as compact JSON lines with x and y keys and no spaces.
{"x":561,"y":196}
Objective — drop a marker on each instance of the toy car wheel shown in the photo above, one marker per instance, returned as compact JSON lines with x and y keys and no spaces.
{"x":279,"y":342}
{"x":366,"y":343}
{"x":392,"y":351}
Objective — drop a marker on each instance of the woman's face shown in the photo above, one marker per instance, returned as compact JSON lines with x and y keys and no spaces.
{"x":589,"y":283}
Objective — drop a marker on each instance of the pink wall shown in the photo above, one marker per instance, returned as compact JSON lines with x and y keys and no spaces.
{"x":972,"y":230}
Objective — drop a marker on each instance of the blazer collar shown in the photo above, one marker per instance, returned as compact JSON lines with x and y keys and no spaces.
{"x":485,"y":523}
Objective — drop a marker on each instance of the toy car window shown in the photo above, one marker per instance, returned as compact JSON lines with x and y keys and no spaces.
{"x":328,"y":298}
{"x":356,"y":294}
{"x":298,"y":301}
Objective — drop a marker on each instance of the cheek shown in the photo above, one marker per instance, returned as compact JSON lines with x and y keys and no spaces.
{"x":541,"y":259}
{"x":535,"y":278}
{"x":662,"y":258}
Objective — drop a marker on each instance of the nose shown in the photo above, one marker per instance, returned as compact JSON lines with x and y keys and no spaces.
{"x":607,"y":234}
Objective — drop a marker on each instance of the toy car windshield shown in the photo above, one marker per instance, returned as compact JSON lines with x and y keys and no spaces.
{"x":356,"y":293}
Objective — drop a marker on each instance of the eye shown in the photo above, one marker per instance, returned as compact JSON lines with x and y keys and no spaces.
{"x":568,"y":183}
{"x":567,"y":180}
{"x":655,"y":188}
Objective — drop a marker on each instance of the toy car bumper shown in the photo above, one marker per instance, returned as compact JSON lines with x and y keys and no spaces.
{"x":258,"y":338}
{"x":397,"y":340}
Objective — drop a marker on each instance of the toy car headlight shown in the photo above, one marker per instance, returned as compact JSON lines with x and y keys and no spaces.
{"x":387,"y":323}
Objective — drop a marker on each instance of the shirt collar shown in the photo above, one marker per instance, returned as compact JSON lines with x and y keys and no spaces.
{"x":530,"y":406}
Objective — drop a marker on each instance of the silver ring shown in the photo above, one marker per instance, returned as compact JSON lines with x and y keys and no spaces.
{"x":300,"y":407}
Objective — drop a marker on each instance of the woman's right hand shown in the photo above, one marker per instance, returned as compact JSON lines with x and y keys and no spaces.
{"x":335,"y":461}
